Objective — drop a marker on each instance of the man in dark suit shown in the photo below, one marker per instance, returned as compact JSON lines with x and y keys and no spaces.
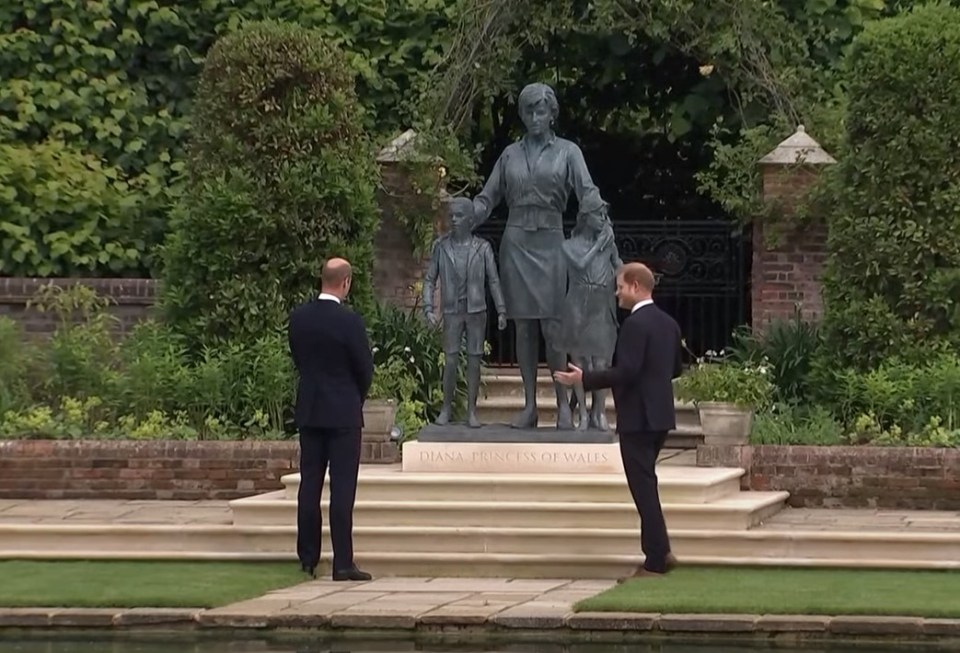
{"x":646,"y":360}
{"x":334,"y":363}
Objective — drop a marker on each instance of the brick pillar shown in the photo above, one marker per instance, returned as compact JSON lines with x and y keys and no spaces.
{"x":397,"y":269}
{"x":786,"y":275}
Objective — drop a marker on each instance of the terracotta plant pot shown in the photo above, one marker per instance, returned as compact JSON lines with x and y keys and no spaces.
{"x":725,"y":423}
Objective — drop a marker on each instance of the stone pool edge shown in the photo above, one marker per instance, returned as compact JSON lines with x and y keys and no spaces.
{"x":590,"y":626}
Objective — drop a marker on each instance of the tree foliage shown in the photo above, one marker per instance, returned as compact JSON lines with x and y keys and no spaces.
{"x":679,"y":97}
{"x":893,"y":278}
{"x":65,"y":213}
{"x":115,"y":80}
{"x":280,"y":177}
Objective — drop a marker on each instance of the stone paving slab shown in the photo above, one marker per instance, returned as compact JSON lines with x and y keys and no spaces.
{"x":76,"y":511}
{"x":862,"y":519}
{"x":379,"y":610}
{"x":108,"y":511}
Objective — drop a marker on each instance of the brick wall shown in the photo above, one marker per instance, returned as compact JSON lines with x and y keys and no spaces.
{"x":123,"y":469}
{"x":131,"y":300}
{"x":396,"y":270}
{"x":153,"y":469}
{"x":914,"y":478}
{"x":787,"y":271}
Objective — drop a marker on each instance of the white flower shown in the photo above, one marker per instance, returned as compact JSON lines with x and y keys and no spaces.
{"x":710,"y":353}
{"x":412,"y":359}
{"x":406,"y":350}
{"x":376,"y":349}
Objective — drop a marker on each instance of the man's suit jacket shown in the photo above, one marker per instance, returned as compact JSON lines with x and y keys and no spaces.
{"x":332,"y":355}
{"x":646,"y":360}
{"x":481,"y":270}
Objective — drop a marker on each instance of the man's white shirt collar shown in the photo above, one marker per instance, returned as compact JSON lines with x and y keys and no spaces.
{"x":329,"y":297}
{"x":641,"y":304}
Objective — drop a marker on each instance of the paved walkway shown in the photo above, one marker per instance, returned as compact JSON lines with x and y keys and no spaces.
{"x":406,"y":602}
{"x":29,"y":511}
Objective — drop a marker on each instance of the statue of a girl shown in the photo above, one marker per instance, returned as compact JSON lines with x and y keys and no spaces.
{"x":589,"y":318}
{"x":535,"y":177}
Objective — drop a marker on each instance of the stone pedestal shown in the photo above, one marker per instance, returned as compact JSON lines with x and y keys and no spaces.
{"x":512,"y":457}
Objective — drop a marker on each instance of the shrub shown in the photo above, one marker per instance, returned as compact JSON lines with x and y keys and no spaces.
{"x":790,"y":347}
{"x":408,"y":355}
{"x":786,"y":424}
{"x":65,"y":213}
{"x":15,"y":357}
{"x":724,"y":380}
{"x":898,"y":395}
{"x":892,"y":284}
{"x":79,"y":360}
{"x":281,"y":176}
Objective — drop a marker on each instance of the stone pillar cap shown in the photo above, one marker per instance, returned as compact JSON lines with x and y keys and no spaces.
{"x":401,"y":148}
{"x":798,"y":149}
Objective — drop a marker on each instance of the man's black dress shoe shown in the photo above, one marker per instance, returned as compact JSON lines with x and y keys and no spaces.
{"x":351,"y":573}
{"x":311,"y":571}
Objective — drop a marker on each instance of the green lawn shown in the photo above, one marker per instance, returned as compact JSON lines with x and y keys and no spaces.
{"x":786,"y":591}
{"x":139,"y":584}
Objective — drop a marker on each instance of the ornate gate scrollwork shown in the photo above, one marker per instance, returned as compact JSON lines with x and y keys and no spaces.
{"x":703,"y":276}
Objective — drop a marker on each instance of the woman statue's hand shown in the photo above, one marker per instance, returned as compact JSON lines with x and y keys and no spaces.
{"x":606,"y":236}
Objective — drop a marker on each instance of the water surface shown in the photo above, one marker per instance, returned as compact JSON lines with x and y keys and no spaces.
{"x":258,"y":643}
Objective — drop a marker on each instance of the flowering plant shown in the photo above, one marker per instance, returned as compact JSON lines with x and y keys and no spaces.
{"x":716,"y":378}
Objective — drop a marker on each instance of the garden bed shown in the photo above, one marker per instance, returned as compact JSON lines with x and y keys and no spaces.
{"x":910,"y":478}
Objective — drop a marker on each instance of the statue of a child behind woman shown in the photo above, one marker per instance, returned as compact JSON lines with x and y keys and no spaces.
{"x":589,"y":319}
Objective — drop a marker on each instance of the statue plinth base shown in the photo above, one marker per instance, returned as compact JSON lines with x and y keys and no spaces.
{"x":505,"y":450}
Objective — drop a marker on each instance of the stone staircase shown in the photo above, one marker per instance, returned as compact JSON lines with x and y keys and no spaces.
{"x":501,"y":397}
{"x":498,"y":525}
{"x":407,"y":523}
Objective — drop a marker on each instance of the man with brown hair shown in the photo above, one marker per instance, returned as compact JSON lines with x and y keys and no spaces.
{"x":646,"y":360}
{"x":329,"y":346}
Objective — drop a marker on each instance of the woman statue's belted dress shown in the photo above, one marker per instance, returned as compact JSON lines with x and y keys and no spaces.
{"x":536,"y":183}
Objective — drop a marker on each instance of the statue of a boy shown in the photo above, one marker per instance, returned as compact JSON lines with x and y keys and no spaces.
{"x":465,"y":265}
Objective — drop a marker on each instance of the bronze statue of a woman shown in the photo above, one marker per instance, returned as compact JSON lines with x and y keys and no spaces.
{"x":535,"y":177}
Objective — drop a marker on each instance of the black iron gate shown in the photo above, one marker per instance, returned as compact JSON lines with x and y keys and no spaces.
{"x":703,"y":272}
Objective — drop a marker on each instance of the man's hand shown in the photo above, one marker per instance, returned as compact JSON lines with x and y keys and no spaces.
{"x":575,"y":375}
{"x":432,"y":318}
{"x":501,"y":321}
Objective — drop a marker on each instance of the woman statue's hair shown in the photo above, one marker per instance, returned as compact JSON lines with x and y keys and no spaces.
{"x":533,"y":94}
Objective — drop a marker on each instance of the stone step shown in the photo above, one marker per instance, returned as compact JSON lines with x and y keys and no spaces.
{"x":486,"y":552}
{"x":499,"y":384}
{"x":502,"y":397}
{"x":677,"y":484}
{"x":508,"y":381}
{"x":737,"y":512}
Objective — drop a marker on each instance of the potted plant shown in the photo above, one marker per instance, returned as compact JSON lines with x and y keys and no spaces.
{"x":380,"y":408}
{"x":726,"y":395}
